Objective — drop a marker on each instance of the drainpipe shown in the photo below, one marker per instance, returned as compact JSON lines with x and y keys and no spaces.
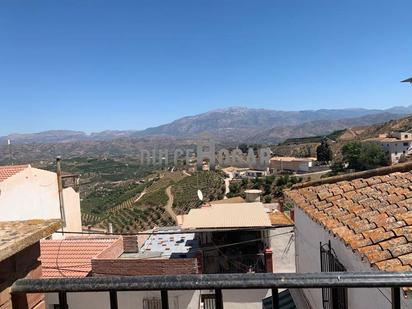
{"x":60,"y":189}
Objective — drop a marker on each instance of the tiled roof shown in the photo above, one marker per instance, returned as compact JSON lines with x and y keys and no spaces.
{"x":18,"y":235}
{"x":372,"y":215}
{"x":71,"y":257}
{"x":10,"y":170}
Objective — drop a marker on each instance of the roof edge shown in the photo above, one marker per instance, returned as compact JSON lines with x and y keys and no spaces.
{"x":49,"y":227}
{"x":401,"y":167}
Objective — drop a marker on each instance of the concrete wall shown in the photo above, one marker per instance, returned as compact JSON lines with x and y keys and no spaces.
{"x":308,"y":237}
{"x":282,"y":242}
{"x":32,"y":194}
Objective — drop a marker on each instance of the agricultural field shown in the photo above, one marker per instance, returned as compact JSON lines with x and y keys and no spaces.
{"x":129,"y":220}
{"x":108,"y":196}
{"x":139,"y":214}
{"x":185,"y":191}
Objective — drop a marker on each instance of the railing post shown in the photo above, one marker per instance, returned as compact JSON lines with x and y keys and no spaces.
{"x":218,"y":299}
{"x":275,"y":298}
{"x":113,"y":300}
{"x":63,"y":300}
{"x":396,"y":298}
{"x":165,"y":299}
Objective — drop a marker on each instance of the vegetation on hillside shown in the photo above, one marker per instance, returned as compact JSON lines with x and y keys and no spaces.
{"x":272,"y":187}
{"x":363,"y":156}
{"x":211,"y":184}
{"x":324,"y":151}
{"x":146,"y":212}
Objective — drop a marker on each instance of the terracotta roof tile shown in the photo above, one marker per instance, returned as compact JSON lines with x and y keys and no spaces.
{"x":401,"y":249}
{"x":11,"y":170}
{"x":393,"y":242}
{"x":372,"y":215}
{"x":379,"y":255}
{"x":71,"y":257}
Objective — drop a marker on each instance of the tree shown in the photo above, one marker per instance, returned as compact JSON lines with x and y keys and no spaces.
{"x":234,"y":188}
{"x":324,"y":152}
{"x":267,"y":198}
{"x":243,"y":147}
{"x":363,"y":156}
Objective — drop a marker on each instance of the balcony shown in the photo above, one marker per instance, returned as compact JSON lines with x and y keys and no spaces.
{"x":216,"y":282}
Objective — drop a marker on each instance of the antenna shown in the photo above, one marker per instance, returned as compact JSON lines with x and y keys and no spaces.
{"x":10,"y":152}
{"x":199,"y":193}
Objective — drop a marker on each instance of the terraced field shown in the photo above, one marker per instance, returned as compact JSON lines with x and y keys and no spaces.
{"x":145,"y":213}
{"x":127,"y":220}
{"x":149,"y":210}
{"x":185,"y":191}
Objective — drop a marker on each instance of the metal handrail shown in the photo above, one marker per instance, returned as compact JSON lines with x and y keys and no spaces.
{"x":218,"y":282}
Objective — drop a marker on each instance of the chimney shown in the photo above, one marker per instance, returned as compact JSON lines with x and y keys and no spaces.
{"x":60,"y":190}
{"x":268,"y":260}
{"x":253,"y":195}
{"x":130,"y":244}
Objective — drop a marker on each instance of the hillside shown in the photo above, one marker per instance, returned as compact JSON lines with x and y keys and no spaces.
{"x":306,"y":146}
{"x":229,"y":124}
{"x":316,"y":128}
{"x":149,"y":210}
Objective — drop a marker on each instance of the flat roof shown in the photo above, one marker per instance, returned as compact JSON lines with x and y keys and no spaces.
{"x":166,"y":246}
{"x":291,"y":159}
{"x":230,"y":216}
{"x":387,"y":139}
{"x":236,"y":199}
{"x":278,"y":218}
{"x":18,"y":235}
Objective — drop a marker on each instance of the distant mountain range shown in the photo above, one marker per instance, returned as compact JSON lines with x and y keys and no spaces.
{"x":234,"y":124}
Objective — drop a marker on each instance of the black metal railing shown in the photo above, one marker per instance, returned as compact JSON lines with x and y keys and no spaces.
{"x":332,"y":298}
{"x":217,"y":282}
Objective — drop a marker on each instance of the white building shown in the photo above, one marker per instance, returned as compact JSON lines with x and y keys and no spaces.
{"x":291,"y":164}
{"x":30,"y":193}
{"x":397,"y":145}
{"x":357,"y":225}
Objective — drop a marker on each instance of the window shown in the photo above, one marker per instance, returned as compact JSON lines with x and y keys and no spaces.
{"x":208,"y":301}
{"x":152,"y":303}
{"x":332,"y":298}
{"x":406,"y":144}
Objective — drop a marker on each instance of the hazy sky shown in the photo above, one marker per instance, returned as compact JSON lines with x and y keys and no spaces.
{"x":94,"y":65}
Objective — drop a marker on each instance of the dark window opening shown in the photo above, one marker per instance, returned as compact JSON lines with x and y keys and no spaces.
{"x":208,"y":301}
{"x":332,"y":298}
{"x":152,"y":303}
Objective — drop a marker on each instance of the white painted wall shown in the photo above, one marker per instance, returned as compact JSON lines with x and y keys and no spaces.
{"x":282,"y":242}
{"x":32,"y":194}
{"x":309,"y":235}
{"x":396,"y":149}
{"x":233,"y":299}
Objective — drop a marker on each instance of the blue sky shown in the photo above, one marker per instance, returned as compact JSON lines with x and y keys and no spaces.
{"x":94,"y":65}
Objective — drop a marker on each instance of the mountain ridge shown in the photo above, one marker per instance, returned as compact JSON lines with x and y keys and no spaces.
{"x":224,"y":124}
